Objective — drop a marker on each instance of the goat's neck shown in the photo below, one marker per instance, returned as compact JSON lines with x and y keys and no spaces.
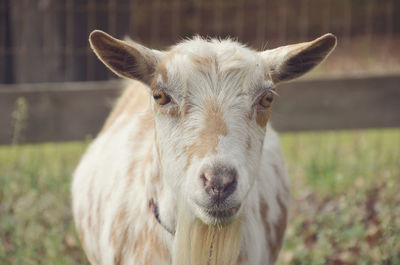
{"x":160,"y":194}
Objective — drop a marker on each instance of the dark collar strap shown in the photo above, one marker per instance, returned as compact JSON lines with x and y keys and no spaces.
{"x":154,"y":207}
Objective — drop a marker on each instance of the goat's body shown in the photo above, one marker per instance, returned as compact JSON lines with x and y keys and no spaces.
{"x":197,"y":145}
{"x":118,"y":176}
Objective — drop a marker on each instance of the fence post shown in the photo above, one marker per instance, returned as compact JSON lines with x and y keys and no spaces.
{"x":36,"y":41}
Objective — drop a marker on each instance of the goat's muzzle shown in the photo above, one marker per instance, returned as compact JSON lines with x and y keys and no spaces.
{"x":219,"y":182}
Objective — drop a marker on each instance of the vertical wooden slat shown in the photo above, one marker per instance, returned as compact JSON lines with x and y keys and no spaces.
{"x":3,"y":22}
{"x":347,"y":23}
{"x":36,"y":40}
{"x":112,"y":19}
{"x":284,"y":21}
{"x":91,"y":15}
{"x":22,"y":46}
{"x":261,"y":27}
{"x":304,"y":20}
{"x":326,"y":15}
{"x":69,"y":39}
{"x":155,"y":22}
{"x":112,"y":22}
{"x":389,"y":22}
{"x":217,"y":18}
{"x":176,"y":19}
{"x":197,"y":16}
{"x":132,"y":24}
{"x":3,"y":42}
{"x":239,"y":20}
{"x":369,"y":7}
{"x":46,"y":49}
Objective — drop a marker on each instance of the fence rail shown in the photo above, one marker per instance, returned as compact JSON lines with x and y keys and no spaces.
{"x":74,"y":111}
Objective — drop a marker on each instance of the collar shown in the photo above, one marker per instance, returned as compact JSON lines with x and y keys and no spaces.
{"x":154,"y":208}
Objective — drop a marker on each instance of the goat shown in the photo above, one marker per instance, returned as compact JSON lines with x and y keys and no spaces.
{"x":187,"y":169}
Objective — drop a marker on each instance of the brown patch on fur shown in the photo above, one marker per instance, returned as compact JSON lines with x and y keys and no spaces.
{"x":130,"y":172}
{"x":134,"y":98}
{"x":119,"y":251}
{"x":118,"y":224}
{"x":214,"y":126}
{"x":262,"y":117}
{"x":146,"y":133}
{"x":81,"y":236}
{"x":162,"y":69}
{"x":125,"y":244}
{"x":145,"y":240}
{"x":140,"y":241}
{"x":248,"y":143}
{"x":158,"y":247}
{"x":264,"y":208}
{"x":167,"y":110}
{"x":119,"y":234}
{"x":202,"y":63}
{"x":243,"y":258}
{"x":279,"y":227}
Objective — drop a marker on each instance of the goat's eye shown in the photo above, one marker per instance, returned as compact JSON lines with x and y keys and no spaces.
{"x":161,"y":98}
{"x":266,"y":100}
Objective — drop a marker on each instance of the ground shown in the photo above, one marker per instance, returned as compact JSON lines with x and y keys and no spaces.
{"x":345,"y":200}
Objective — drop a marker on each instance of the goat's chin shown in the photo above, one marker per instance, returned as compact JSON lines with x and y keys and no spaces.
{"x":198,"y":243}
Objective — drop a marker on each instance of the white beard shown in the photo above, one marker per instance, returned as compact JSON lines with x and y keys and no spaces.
{"x":197,"y":243}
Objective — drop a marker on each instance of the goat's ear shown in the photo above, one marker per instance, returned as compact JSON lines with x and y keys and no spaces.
{"x":126,"y":59}
{"x":289,"y":62}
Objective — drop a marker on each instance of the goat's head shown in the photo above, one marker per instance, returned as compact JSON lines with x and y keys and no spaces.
{"x":211,"y":103}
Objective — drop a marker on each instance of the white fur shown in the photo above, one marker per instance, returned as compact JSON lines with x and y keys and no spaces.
{"x":107,"y":190}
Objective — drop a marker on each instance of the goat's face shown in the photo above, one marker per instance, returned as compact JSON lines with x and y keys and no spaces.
{"x":211,"y":103}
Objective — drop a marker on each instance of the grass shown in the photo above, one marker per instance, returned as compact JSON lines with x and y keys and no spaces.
{"x":345,"y":207}
{"x":346,"y":199}
{"x":35,"y":215}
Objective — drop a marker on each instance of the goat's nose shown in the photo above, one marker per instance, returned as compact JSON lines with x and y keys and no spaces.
{"x":219,"y":182}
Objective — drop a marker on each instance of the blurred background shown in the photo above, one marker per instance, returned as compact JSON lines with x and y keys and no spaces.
{"x":46,"y":40}
{"x":339,"y":124}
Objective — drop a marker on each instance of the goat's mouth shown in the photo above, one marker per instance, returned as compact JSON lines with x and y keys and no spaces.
{"x":219,"y":216}
{"x":223,"y":213}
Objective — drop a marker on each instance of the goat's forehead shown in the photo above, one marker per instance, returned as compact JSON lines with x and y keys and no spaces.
{"x":206,"y":61}
{"x":213,"y":47}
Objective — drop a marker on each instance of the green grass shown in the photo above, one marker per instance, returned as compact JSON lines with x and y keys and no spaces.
{"x":35,"y":215}
{"x":345,"y":200}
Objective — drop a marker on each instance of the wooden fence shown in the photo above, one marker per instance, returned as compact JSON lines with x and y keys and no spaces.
{"x":75,"y":111}
{"x":46,"y":41}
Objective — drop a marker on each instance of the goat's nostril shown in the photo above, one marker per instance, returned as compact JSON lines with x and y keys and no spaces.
{"x":206,"y":177}
{"x":219,"y":182}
